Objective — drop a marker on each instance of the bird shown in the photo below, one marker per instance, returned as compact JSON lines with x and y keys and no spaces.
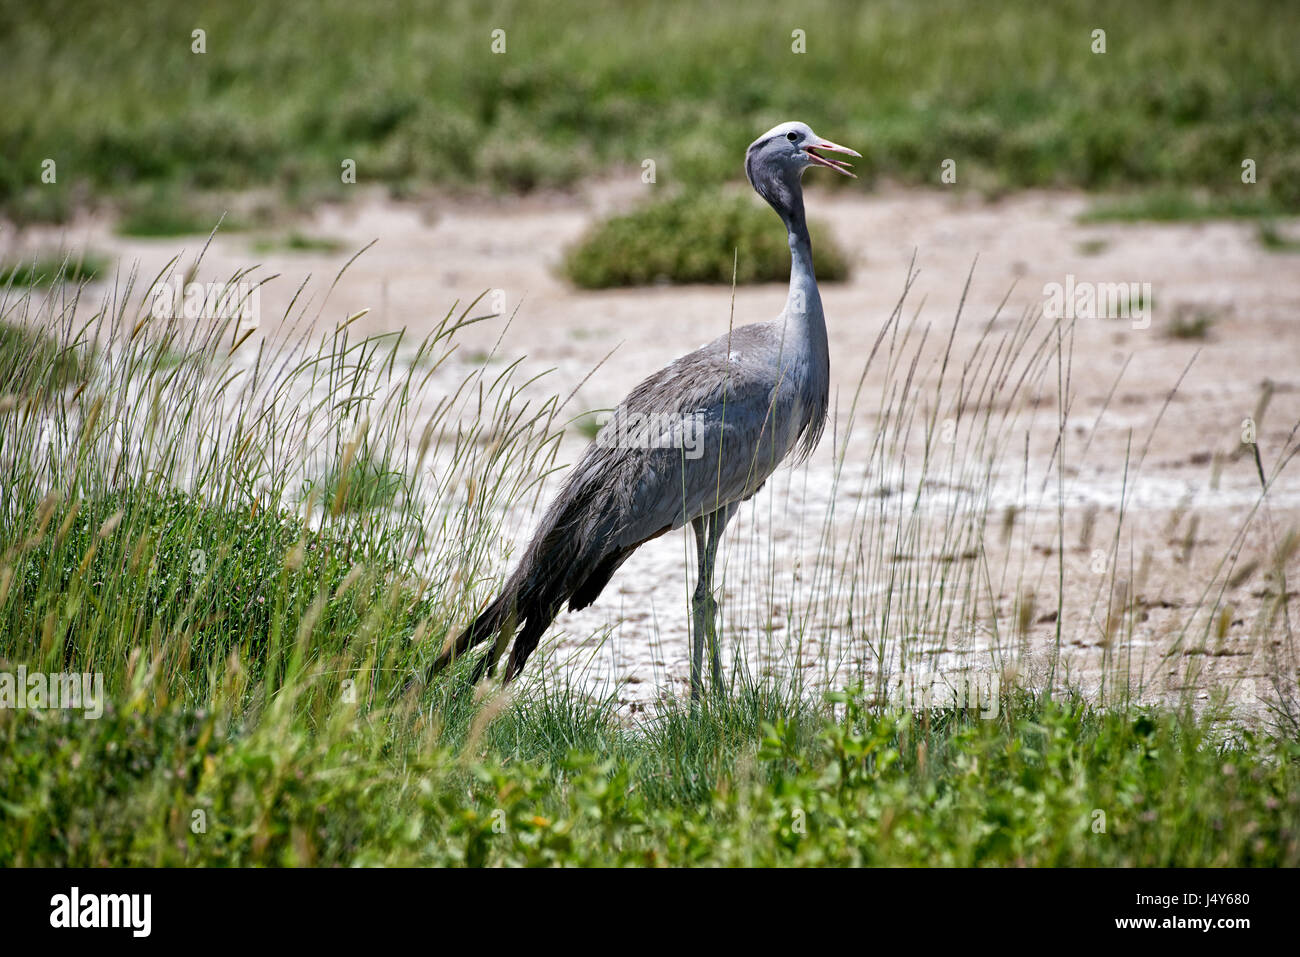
{"x":686,"y":446}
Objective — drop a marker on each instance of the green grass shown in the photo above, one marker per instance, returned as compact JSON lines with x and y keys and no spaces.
{"x":215,"y":575}
{"x":1186,"y":90}
{"x":589,"y":425}
{"x":258,"y":636}
{"x":365,"y":481}
{"x":1165,"y":204}
{"x":296,"y":242}
{"x":1274,"y":241}
{"x":1191,"y":324}
{"x":556,"y":780}
{"x":43,"y":269}
{"x":694,"y":238}
{"x":34,"y":363}
{"x":165,"y":215}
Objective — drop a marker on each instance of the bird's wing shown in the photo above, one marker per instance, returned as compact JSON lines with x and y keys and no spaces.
{"x":701,"y":433}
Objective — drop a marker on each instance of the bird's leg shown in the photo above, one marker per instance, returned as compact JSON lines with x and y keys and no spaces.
{"x":698,"y":609}
{"x":717,"y":524}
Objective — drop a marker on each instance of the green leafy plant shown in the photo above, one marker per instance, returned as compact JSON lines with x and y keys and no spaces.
{"x":695,"y":238}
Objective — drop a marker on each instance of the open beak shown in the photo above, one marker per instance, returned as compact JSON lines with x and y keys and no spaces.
{"x":840,"y":166}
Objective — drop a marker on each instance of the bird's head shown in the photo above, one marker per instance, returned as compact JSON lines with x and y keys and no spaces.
{"x":776,"y":160}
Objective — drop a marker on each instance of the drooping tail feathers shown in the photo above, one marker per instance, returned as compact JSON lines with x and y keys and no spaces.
{"x":491,"y":621}
{"x":572,"y":557}
{"x":579,"y":545}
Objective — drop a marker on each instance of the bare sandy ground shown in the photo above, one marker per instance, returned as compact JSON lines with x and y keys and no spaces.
{"x":1182,"y":509}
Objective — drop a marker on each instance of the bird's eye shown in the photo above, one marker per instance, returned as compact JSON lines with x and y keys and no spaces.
{"x":792,"y":136}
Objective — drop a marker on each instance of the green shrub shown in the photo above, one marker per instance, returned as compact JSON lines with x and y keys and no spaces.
{"x":695,"y":238}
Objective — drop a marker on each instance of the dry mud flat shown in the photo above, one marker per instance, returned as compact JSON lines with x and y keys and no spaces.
{"x":837,"y":570}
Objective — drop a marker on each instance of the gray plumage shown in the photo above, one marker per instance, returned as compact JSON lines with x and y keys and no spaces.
{"x":754,"y":397}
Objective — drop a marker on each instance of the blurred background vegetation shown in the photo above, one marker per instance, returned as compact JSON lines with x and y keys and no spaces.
{"x":411,"y":91}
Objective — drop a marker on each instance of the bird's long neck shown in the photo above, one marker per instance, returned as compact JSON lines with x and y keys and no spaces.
{"x":803,"y":304}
